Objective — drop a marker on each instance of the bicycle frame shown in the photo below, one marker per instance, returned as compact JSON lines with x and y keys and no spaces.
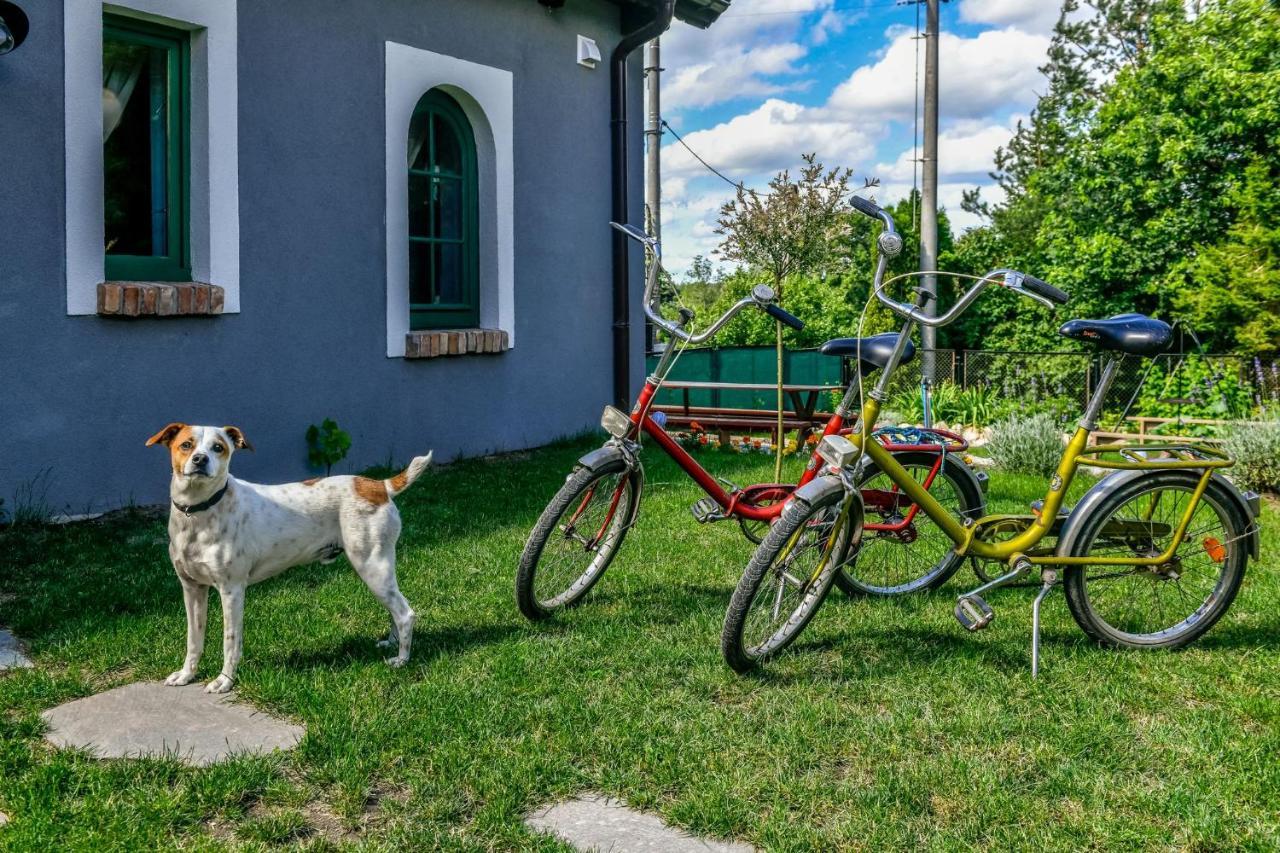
{"x":741,"y":502}
{"x":1077,"y":449}
{"x":732,"y":503}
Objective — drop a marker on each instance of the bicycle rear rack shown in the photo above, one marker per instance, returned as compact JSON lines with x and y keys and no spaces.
{"x":1154,"y":456}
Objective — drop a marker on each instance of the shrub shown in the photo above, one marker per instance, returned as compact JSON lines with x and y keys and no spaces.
{"x":977,"y":405}
{"x":1256,"y":449}
{"x":1208,"y":387}
{"x":1027,"y":445}
{"x":327,"y":445}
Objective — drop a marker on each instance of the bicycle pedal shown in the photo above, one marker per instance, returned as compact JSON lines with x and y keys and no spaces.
{"x":973,"y":613}
{"x":707,"y":510}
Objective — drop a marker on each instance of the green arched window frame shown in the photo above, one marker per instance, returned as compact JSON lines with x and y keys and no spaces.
{"x":443,"y":217}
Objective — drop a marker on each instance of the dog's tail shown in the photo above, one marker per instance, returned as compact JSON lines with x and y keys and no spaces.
{"x":405,"y":478}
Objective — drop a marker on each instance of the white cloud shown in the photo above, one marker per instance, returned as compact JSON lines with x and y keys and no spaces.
{"x":733,"y":73}
{"x":994,"y":70}
{"x":1038,"y":16}
{"x":832,"y":23}
{"x":753,"y":43}
{"x":758,"y":50}
{"x":964,"y":152}
{"x":769,"y":138}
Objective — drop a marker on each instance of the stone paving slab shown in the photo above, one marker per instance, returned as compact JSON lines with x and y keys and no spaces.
{"x":11,"y":656}
{"x":594,"y":822}
{"x":150,"y":719}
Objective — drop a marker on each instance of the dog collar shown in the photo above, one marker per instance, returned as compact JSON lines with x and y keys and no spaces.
{"x":203,"y":505}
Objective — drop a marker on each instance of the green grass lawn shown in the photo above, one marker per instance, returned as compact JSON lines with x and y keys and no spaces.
{"x":885,"y":726}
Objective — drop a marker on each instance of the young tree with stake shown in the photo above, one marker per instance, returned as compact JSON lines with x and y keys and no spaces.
{"x":798,"y":226}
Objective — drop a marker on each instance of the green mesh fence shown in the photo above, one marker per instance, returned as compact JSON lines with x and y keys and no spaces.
{"x":747,"y":365}
{"x":1176,"y":385}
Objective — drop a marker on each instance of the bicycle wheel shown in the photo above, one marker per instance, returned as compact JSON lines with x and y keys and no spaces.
{"x":1168,"y":605}
{"x":913,"y":553}
{"x":576,"y":538}
{"x":788,"y":577}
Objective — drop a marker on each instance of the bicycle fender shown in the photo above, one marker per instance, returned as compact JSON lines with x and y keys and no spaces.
{"x":1247,"y":507}
{"x":1087,"y":504}
{"x":809,"y":493}
{"x":602,"y":456}
{"x":979,"y":479}
{"x":821,"y":487}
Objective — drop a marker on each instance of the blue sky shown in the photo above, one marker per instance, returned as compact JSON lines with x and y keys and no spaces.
{"x":775,"y":78}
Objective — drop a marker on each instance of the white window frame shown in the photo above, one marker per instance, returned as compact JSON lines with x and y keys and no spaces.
{"x":214,"y":142}
{"x":486,"y":96}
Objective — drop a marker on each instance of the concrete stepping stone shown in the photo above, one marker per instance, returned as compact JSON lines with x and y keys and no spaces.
{"x":11,"y":656}
{"x":149,"y":719}
{"x":595,"y":822}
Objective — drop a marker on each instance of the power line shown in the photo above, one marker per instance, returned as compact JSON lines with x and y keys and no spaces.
{"x":709,"y":167}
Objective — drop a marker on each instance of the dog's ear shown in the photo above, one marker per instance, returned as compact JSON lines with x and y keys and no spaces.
{"x":237,"y":437}
{"x":165,"y":436}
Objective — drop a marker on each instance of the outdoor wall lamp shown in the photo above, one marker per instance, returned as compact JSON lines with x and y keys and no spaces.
{"x":13,"y":26}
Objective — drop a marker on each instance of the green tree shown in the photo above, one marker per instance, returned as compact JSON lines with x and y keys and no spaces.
{"x":831,"y":301}
{"x":701,"y":286}
{"x":1146,"y":177}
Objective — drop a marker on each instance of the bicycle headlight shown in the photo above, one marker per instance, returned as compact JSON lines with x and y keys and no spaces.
{"x":615,"y":422}
{"x":838,"y":451}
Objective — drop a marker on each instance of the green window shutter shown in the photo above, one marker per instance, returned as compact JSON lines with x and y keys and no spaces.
{"x":146,"y":105}
{"x":444,"y":276}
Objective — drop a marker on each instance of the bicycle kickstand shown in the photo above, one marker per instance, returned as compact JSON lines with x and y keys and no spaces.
{"x":1049,"y":578}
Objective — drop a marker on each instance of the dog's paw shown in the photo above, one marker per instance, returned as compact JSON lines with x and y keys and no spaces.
{"x":221,"y":684}
{"x":180,"y":678}
{"x":388,"y":643}
{"x":397,"y":661}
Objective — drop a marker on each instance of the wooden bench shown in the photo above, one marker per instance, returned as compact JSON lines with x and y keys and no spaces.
{"x":1144,"y":433}
{"x":802,"y":416}
{"x":1154,"y":437}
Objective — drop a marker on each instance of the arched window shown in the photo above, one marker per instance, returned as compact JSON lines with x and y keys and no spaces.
{"x":443,"y":221}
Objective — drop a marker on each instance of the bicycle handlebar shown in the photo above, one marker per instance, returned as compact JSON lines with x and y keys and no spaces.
{"x":1029,"y":286}
{"x":1045,"y":289}
{"x":868,"y":207}
{"x":762,"y":297}
{"x":784,"y":317}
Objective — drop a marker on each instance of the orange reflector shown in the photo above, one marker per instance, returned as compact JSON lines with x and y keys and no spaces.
{"x":1215,"y":549}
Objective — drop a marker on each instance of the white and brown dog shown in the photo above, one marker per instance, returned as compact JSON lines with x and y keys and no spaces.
{"x":227,"y":534}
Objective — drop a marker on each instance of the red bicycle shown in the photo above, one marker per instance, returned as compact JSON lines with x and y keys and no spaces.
{"x":584,"y":525}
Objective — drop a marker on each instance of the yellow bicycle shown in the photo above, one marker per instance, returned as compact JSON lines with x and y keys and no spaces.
{"x":1151,"y":557}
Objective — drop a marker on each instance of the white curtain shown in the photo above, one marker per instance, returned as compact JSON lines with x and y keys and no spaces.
{"x":415,"y":144}
{"x":120,"y":73}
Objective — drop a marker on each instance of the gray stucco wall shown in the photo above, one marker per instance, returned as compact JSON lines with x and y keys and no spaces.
{"x":80,"y":395}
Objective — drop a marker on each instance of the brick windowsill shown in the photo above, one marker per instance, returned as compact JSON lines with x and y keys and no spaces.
{"x":435,"y":343}
{"x":159,"y":299}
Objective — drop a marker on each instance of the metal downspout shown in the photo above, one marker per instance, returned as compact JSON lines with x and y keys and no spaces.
{"x":621,"y":202}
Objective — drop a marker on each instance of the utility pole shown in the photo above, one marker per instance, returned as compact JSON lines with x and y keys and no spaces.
{"x":653,"y":139}
{"x":929,"y":188}
{"x":653,"y":156}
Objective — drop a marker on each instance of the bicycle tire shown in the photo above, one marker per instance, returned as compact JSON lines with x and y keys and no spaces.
{"x":573,"y":493}
{"x":1085,"y":607}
